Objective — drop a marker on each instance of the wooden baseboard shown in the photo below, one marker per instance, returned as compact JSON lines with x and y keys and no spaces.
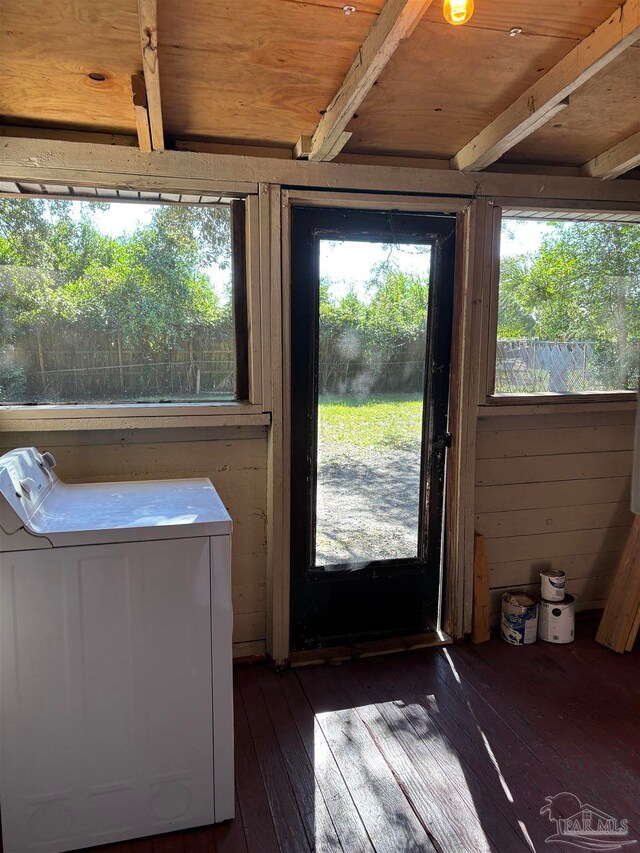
{"x":337,"y":654}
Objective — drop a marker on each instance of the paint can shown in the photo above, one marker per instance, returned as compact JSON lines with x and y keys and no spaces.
{"x":557,"y":620}
{"x":552,"y":585}
{"x":519,"y":624}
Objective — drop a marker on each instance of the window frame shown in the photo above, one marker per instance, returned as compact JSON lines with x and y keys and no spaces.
{"x":565,"y":210}
{"x":126,"y":415}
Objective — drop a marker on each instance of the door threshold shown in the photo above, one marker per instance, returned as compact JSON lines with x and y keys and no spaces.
{"x":338,"y":654}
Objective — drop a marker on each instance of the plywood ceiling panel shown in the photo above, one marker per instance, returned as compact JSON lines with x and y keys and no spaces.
{"x":601,"y":114}
{"x":259,"y":71}
{"x":446,"y":83}
{"x":47,"y":50}
{"x":262,"y":72}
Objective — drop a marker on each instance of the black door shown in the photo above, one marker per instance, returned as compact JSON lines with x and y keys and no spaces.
{"x":371,"y":308}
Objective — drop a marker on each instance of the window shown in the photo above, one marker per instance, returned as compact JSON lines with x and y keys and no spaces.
{"x":568,"y":307}
{"x":115,"y":301}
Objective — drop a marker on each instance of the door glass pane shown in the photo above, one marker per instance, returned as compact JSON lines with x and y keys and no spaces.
{"x":371,"y":360}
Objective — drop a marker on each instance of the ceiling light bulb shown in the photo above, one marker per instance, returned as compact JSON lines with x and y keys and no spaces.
{"x":457,"y":12}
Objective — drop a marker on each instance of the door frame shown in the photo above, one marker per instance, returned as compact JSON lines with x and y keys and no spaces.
{"x":333,"y":604}
{"x":471,"y":241}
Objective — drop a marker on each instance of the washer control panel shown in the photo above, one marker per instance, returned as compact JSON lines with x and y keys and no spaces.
{"x":26,"y":477}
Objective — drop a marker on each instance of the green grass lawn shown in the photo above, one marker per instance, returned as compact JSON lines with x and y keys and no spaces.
{"x":384,"y":421}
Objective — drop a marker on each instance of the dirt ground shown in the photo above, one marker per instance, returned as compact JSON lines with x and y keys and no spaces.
{"x":367,"y":504}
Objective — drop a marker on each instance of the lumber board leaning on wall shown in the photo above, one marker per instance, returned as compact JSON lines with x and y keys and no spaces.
{"x":553,"y":491}
{"x":234,"y":459}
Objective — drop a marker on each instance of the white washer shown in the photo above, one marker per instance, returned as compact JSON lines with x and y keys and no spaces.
{"x":115,"y":658}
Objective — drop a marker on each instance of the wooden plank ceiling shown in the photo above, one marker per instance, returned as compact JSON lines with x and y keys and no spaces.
{"x":263,"y":73}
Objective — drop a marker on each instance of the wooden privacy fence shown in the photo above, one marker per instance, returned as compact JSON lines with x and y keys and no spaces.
{"x":115,"y":373}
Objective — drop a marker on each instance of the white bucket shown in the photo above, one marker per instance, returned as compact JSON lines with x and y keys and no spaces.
{"x":552,"y":585}
{"x":557,"y":620}
{"x":519,"y":624}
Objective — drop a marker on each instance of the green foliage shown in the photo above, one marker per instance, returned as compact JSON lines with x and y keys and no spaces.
{"x":374,"y":341}
{"x":66,"y":286}
{"x":57,"y":269}
{"x":583,"y":284}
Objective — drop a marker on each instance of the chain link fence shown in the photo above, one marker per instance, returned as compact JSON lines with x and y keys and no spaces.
{"x":529,"y":367}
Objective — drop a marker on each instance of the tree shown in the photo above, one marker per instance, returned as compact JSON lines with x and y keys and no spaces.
{"x":583,"y":284}
{"x":63,"y":278}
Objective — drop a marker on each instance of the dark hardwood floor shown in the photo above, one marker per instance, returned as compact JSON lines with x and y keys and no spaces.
{"x":450,"y":749}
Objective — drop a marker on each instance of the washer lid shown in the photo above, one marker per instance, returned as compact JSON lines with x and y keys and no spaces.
{"x":115,"y":512}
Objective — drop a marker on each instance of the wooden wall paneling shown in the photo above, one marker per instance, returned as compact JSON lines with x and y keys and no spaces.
{"x":545,"y":441}
{"x":553,"y":492}
{"x":517,"y":573}
{"x":545,"y":546}
{"x":520,"y":496}
{"x":495,"y":418}
{"x":573,"y":466}
{"x":555,"y":519}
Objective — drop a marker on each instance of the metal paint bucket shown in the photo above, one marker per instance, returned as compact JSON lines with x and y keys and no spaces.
{"x":552,"y":585}
{"x":557,"y":620}
{"x":519,"y":623}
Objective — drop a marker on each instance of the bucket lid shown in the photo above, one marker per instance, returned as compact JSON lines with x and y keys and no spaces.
{"x":519,"y":598}
{"x":552,"y":573}
{"x":565,"y":602}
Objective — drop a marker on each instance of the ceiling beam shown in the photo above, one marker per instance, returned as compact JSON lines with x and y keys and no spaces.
{"x":549,"y":94}
{"x":141,"y":112}
{"x":616,"y":161}
{"x":148,"y":19}
{"x":396,"y":22}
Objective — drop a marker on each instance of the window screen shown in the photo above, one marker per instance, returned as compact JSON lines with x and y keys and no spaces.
{"x":121,"y":301}
{"x":569,"y":307}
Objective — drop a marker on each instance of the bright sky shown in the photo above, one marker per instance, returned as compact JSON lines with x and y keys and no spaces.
{"x":350,"y":264}
{"x":122,"y":218}
{"x":345,"y":264}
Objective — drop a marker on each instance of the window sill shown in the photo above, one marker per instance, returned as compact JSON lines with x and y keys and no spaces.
{"x":93,"y":416}
{"x":514,"y":404}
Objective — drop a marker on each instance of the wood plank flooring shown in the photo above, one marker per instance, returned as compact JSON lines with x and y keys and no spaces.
{"x":445,"y":750}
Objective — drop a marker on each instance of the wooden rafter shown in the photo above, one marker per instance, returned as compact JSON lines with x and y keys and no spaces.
{"x":139,"y":93}
{"x":148,"y":18}
{"x":548,"y":95}
{"x":616,"y":161}
{"x":395,"y":22}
